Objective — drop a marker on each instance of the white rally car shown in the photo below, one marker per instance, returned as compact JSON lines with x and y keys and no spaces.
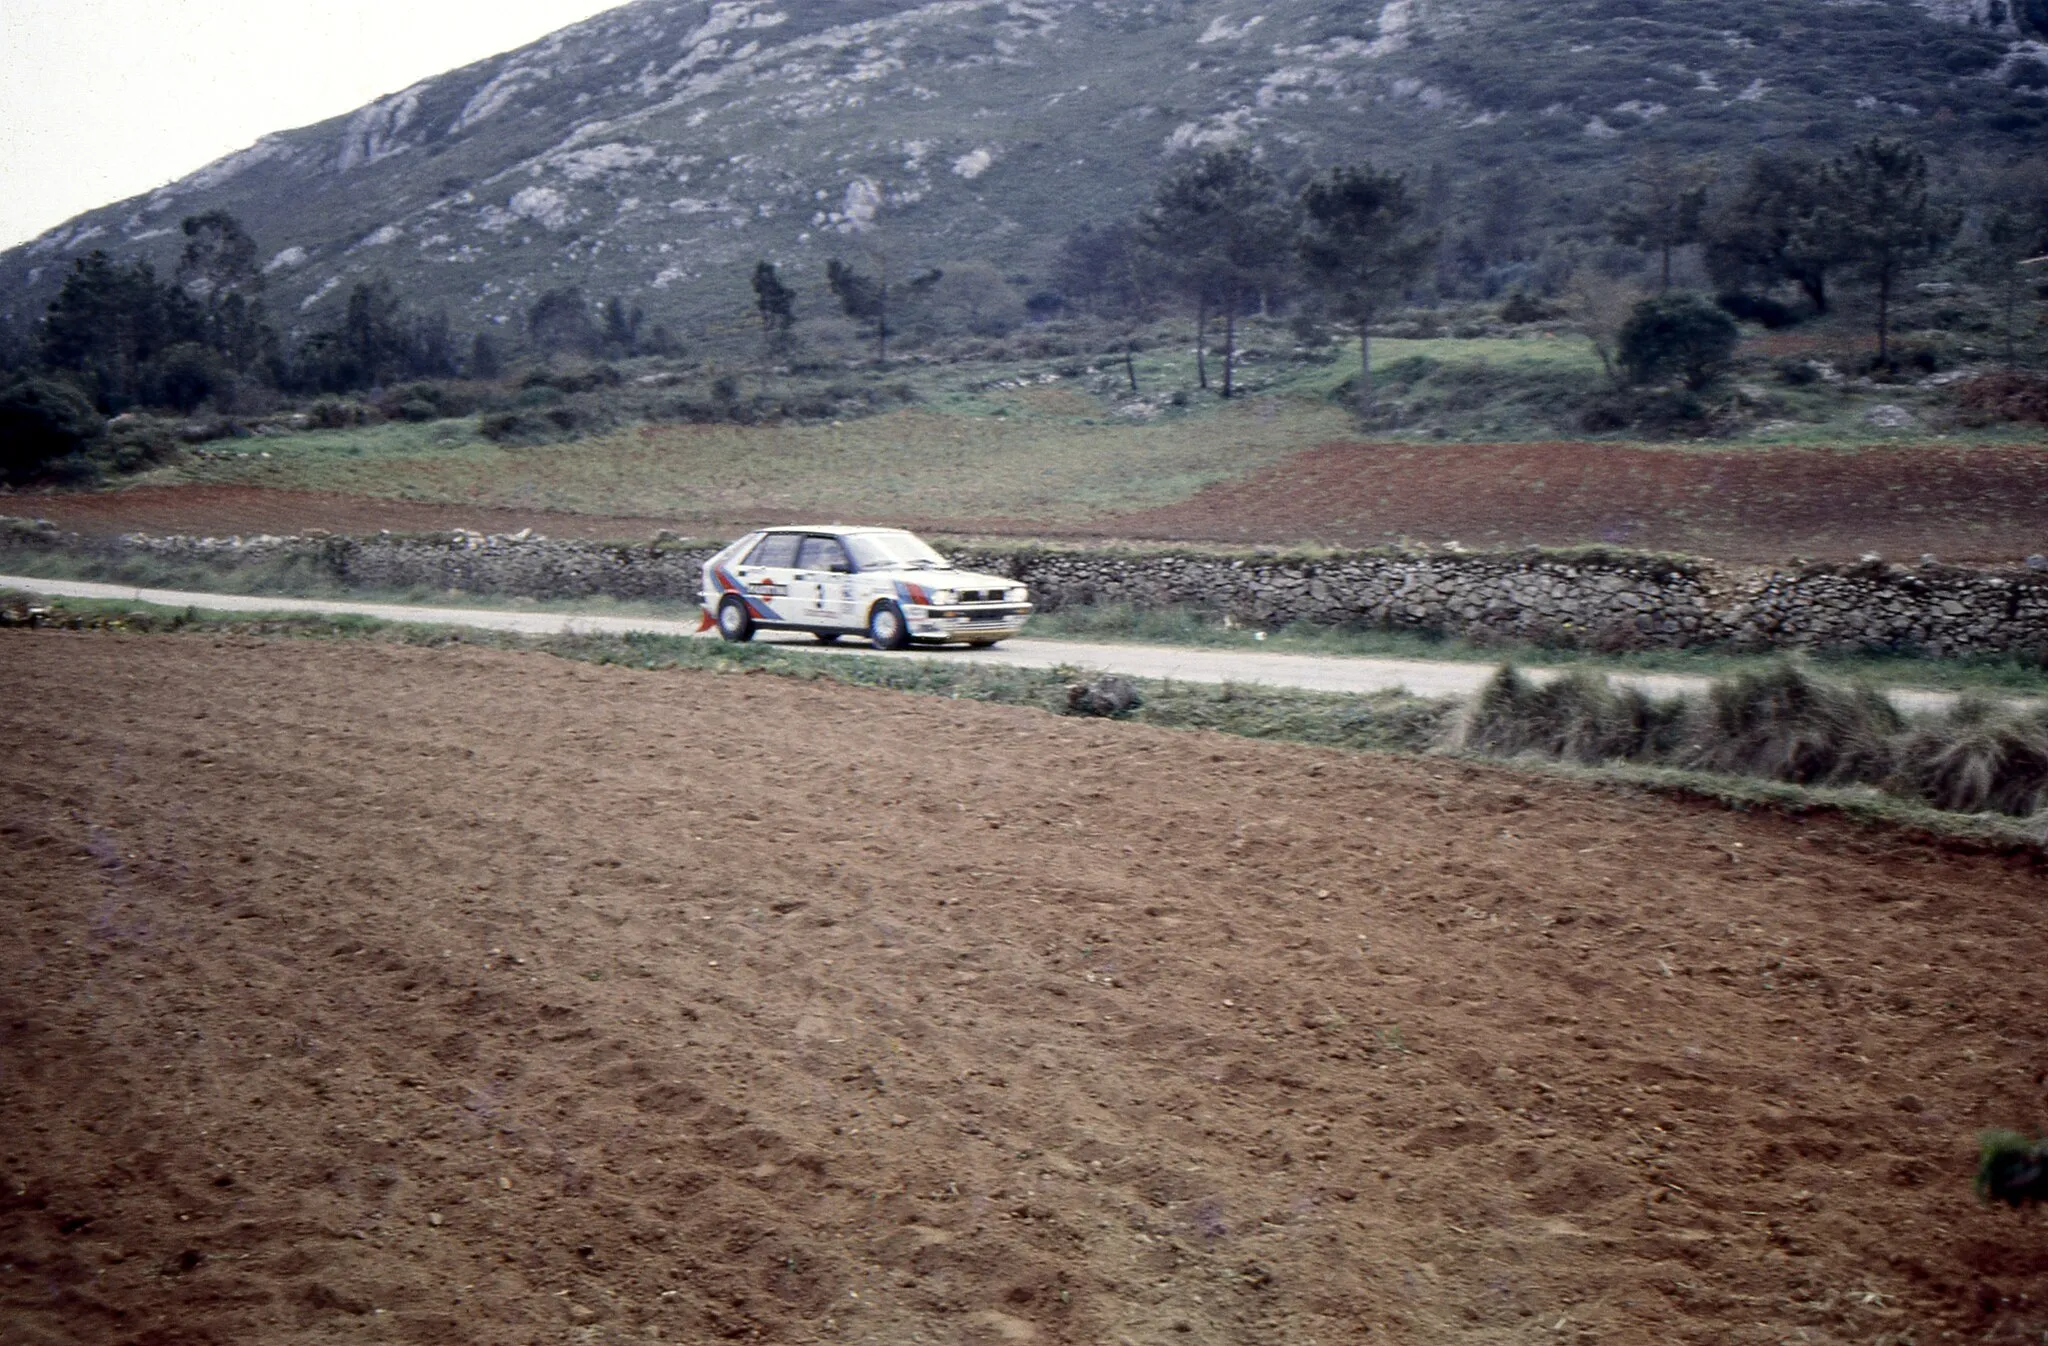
{"x":835,"y":581}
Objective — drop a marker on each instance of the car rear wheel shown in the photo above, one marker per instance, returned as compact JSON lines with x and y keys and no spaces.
{"x":886,"y":627}
{"x":735,"y":623}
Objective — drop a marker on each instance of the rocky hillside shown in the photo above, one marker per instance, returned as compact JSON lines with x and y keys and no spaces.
{"x":658,"y":150}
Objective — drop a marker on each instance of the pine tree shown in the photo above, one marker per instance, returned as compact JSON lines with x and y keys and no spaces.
{"x":1881,"y":219}
{"x":1360,"y":245}
{"x":1221,"y":233}
{"x":776,"y":303}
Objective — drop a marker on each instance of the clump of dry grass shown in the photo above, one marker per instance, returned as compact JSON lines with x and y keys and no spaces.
{"x":1579,"y":717}
{"x":1782,"y":724}
{"x":1983,"y":757}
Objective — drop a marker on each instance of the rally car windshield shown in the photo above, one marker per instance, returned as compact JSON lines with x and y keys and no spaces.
{"x":893,"y":551}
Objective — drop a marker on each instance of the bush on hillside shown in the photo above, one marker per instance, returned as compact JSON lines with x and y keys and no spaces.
{"x":1771,"y":314}
{"x":188,"y":375}
{"x":1653,"y":412}
{"x":1677,"y":334}
{"x":2005,"y":396}
{"x":43,"y":421}
{"x":1520,"y":309}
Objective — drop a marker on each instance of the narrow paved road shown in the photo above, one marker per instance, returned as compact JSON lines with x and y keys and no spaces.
{"x":1317,"y":673}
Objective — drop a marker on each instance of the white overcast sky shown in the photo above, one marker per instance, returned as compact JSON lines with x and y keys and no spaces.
{"x":105,"y":99}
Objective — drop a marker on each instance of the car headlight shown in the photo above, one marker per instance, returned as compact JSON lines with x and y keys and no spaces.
{"x":945,"y":598}
{"x":1019,"y":594}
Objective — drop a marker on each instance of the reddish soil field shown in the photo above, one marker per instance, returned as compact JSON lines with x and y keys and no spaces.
{"x":224,"y":511}
{"x":1963,"y":503}
{"x":376,"y":993}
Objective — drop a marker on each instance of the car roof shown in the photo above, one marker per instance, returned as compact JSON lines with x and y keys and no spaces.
{"x":839,"y":529}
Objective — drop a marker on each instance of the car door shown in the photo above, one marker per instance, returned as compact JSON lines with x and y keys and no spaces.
{"x":768,"y":573}
{"x":824,"y":583}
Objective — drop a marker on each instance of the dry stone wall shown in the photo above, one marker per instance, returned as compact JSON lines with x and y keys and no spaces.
{"x":1594,"y":600}
{"x":1597,"y":600}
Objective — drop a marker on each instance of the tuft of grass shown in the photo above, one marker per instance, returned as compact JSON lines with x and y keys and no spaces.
{"x":1985,"y":757}
{"x":1782,"y":725}
{"x":1580,"y":717}
{"x":2012,"y":1169}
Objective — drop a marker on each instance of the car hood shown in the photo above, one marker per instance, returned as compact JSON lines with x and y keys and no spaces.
{"x":951,"y":579}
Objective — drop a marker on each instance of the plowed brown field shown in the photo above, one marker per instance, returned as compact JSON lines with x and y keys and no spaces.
{"x":371,"y":993}
{"x":1961,"y":503}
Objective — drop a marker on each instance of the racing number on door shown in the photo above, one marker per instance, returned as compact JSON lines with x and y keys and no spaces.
{"x":822,"y":564}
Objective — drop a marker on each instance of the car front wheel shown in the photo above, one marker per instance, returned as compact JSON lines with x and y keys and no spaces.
{"x":735,"y":623}
{"x":886,"y":627}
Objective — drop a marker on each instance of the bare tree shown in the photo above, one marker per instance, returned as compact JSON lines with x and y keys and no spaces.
{"x":1600,"y":306}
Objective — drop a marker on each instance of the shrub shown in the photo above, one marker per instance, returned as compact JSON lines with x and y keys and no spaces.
{"x":1520,"y":308}
{"x":332,"y":413}
{"x":134,"y":442}
{"x":1766,"y":312}
{"x":189,"y":374}
{"x":501,"y":427}
{"x":2006,"y":396}
{"x":1677,"y":334}
{"x":42,"y":422}
{"x":580,"y":379}
{"x":1982,"y":757}
{"x":1655,"y":412}
{"x":427,"y":402}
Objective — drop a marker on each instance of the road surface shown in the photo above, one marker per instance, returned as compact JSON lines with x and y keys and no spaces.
{"x":1309,"y":672}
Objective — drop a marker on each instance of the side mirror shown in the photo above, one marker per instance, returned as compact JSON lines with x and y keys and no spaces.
{"x":841,"y":568}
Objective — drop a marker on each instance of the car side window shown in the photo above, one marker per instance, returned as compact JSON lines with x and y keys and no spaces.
{"x":823,"y":553}
{"x":777,"y":549}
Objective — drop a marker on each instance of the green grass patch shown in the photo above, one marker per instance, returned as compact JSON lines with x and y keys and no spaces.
{"x":1051,"y":454}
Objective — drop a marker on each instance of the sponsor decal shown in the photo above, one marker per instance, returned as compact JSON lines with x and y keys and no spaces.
{"x":727,"y":584}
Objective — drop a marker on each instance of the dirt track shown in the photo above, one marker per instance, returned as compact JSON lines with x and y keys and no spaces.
{"x":373,"y":993}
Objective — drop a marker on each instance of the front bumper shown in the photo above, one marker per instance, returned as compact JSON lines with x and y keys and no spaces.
{"x":967,"y":622}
